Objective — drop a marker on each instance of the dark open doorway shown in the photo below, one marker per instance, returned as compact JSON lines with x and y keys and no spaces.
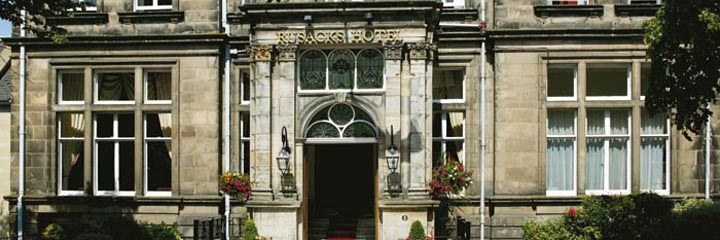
{"x":342,"y":191}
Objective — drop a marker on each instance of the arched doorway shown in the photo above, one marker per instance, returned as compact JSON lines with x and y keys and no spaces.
{"x":341,"y":166}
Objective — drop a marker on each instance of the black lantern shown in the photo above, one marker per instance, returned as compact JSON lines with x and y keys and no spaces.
{"x":393,"y":157}
{"x":283,"y":158}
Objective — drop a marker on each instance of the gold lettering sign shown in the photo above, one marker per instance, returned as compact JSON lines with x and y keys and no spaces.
{"x":332,"y":37}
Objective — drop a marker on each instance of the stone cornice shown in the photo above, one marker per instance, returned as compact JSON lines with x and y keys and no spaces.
{"x":496,"y":35}
{"x":127,"y":39}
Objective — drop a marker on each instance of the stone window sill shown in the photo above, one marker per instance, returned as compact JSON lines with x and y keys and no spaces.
{"x":636,"y":9}
{"x":80,"y":18}
{"x":568,"y":10}
{"x":152,"y":17}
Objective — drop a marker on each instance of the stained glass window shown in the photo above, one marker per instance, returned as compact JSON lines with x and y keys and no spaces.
{"x":342,"y":67}
{"x":370,"y":69}
{"x":312,"y":70}
{"x":342,"y":121}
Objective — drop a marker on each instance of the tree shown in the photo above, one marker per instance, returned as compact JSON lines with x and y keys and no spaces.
{"x":684,"y":46}
{"x":36,"y":13}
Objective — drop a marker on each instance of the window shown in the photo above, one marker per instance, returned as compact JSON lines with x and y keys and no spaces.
{"x":567,"y":2}
{"x":71,"y":87}
{"x":90,"y":5}
{"x":244,"y":88}
{"x":449,"y":86}
{"x":645,"y":1}
{"x":561,"y":152}
{"x":607,"y":165}
{"x":453,"y":3}
{"x":654,"y":153}
{"x":115,"y":87}
{"x":114,"y":161}
{"x":245,"y":142}
{"x":71,"y":133}
{"x":562,"y":82}
{"x":153,"y":4}
{"x":448,"y":138}
{"x":644,"y":80}
{"x":341,"y":70}
{"x":158,"y":154}
{"x":341,"y":121}
{"x":158,"y":86}
{"x":608,"y":82}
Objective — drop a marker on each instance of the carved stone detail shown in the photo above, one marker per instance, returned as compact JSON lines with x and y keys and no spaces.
{"x":432,"y":51}
{"x":287,"y":52}
{"x":393,"y":50}
{"x":418,"y":50}
{"x":260,"y":52}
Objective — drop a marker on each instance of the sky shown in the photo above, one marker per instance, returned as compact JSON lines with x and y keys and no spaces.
{"x":4,"y":28}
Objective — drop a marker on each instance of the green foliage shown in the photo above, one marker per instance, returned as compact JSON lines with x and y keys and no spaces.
{"x":162,"y":231}
{"x":684,"y":45}
{"x":37,"y":12}
{"x":697,"y":219}
{"x":417,"y":231}
{"x":93,"y":236}
{"x":53,"y":232}
{"x":249,"y":230}
{"x":558,"y":229}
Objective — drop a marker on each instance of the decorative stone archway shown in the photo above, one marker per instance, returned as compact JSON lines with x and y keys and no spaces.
{"x":341,"y":120}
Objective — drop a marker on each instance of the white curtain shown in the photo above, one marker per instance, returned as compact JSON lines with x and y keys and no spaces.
{"x":560,"y":150}
{"x":652,"y":153}
{"x":618,"y":164}
{"x":594,"y":164}
{"x":456,"y":124}
{"x":72,"y":126}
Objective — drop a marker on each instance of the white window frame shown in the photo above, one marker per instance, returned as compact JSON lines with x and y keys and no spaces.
{"x":242,"y":88}
{"x":327,"y":89}
{"x":656,"y":1}
{"x":60,"y":76}
{"x":117,"y":141}
{"x":147,"y":140}
{"x":579,"y":2}
{"x":145,"y":86}
{"x":606,"y":136}
{"x":60,"y":140}
{"x":454,"y":3}
{"x":443,"y":139}
{"x":665,"y":135}
{"x":154,"y":6}
{"x":87,"y":9}
{"x":628,"y":82}
{"x":464,"y":89}
{"x":96,"y":88}
{"x":572,"y":192}
{"x":243,"y":139}
{"x":575,"y":82}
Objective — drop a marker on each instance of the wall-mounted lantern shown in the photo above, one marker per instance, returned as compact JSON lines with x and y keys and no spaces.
{"x":393,"y":157}
{"x":283,"y":158}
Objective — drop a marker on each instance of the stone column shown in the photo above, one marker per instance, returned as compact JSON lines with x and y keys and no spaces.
{"x":418,"y":116}
{"x":260,"y":120}
{"x":283,"y":114}
{"x":393,"y":79}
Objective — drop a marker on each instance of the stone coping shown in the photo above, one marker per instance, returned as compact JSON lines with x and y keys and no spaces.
{"x":218,"y":38}
{"x":542,"y":10}
{"x":636,"y":9}
{"x":394,"y":11}
{"x":407,"y":203}
{"x":274,"y":204}
{"x":133,"y":200}
{"x":523,"y":34}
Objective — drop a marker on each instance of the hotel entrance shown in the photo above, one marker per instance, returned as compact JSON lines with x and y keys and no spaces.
{"x":341,"y":191}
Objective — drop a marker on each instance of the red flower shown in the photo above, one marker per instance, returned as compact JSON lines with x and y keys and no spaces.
{"x":572,"y":212}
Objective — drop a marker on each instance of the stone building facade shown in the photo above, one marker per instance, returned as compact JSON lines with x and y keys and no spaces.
{"x":126,"y":118}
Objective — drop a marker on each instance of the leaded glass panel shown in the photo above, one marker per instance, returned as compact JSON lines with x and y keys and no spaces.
{"x":342,"y":67}
{"x":370,"y":69}
{"x":312,"y":70}
{"x":359,"y":130}
{"x":323,"y":130}
{"x":341,"y":114}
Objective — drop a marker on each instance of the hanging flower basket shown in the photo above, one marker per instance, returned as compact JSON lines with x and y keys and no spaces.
{"x":236,"y":185}
{"x":449,"y":178}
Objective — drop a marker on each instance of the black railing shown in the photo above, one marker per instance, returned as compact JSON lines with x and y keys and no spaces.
{"x":463,"y":228}
{"x":210,"y":229}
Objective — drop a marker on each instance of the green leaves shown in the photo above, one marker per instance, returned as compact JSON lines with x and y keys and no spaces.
{"x":684,"y":47}
{"x":37,"y":11}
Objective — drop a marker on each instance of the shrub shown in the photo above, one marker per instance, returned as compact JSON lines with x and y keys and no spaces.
{"x":53,"y":232}
{"x":161,"y":231}
{"x":417,"y":231}
{"x":558,"y":229}
{"x":249,"y":230}
{"x":696,"y":219}
{"x":122,"y":228}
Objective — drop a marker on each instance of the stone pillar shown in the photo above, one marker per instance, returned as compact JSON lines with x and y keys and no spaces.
{"x":418,"y":116}
{"x":283,"y":114}
{"x":260,"y":119}
{"x":393,"y":79}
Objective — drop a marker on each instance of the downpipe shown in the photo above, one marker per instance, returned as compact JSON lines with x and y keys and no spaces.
{"x":21,"y":132}
{"x":226,"y":111}
{"x":483,"y":141}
